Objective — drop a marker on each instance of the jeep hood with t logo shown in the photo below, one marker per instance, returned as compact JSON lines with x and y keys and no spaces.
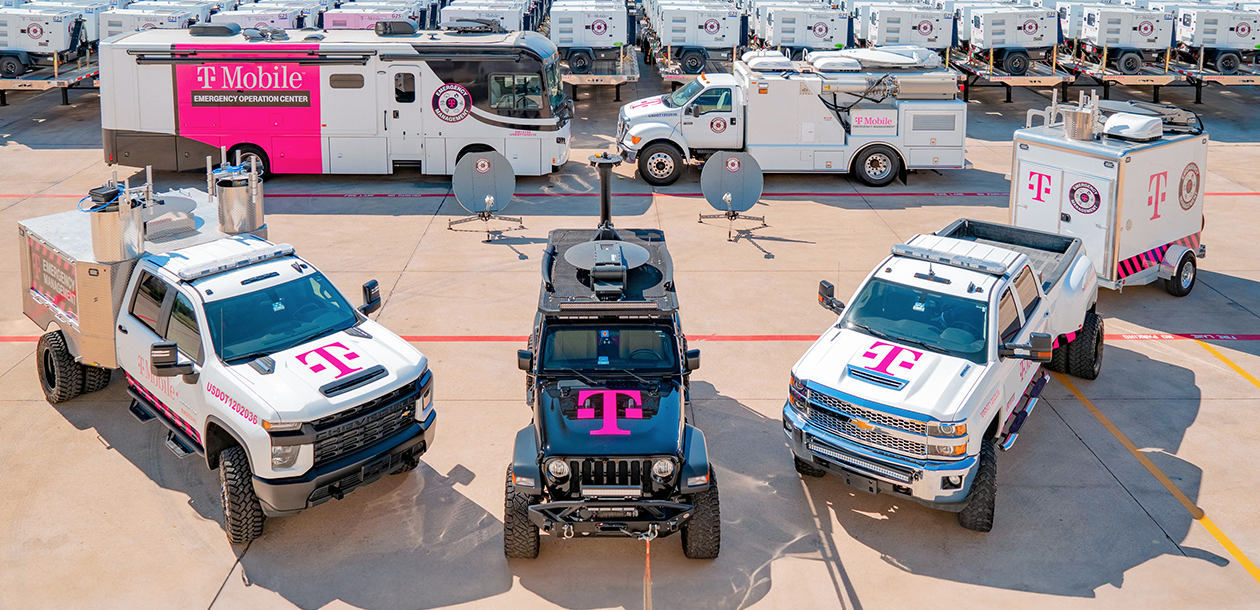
{"x":598,"y":421}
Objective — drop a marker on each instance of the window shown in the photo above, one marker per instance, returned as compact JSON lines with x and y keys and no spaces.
{"x":352,"y":81}
{"x":277,"y":318}
{"x":516,"y":92}
{"x":404,"y":87}
{"x":182,"y":328}
{"x":1026,"y":286}
{"x":940,"y":322}
{"x":147,"y":304}
{"x":608,"y":349}
{"x":1008,"y":317}
{"x":713,"y":100}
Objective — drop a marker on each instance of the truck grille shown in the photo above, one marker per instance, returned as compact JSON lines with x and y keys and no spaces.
{"x":843,"y":427}
{"x":612,"y":471}
{"x":875,"y":417}
{"x":365,"y":424}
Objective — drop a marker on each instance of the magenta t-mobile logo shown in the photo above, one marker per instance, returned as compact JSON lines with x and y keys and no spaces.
{"x":1042,"y":186}
{"x":892,"y":356}
{"x":326,"y":354}
{"x":610,"y":410}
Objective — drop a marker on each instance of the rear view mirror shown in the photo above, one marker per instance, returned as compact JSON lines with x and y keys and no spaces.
{"x":827,"y":297}
{"x":371,"y":297}
{"x":693,"y":359}
{"x":524,"y":358}
{"x":164,"y":360}
{"x":1040,"y":348}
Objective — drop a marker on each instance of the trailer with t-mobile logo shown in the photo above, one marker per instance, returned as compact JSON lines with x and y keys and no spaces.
{"x":683,"y":36}
{"x":1013,"y":37}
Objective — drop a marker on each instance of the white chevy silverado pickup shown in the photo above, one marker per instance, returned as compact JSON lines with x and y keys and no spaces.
{"x":935,"y":363}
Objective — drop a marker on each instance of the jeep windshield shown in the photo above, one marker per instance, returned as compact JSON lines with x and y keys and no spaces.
{"x":939,"y":322}
{"x":683,"y":95}
{"x":603,"y":349}
{"x":277,"y":318}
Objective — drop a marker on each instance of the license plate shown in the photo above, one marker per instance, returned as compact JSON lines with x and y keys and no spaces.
{"x":374,"y":470}
{"x":860,"y":482}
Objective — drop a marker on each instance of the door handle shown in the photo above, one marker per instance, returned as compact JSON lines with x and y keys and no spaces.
{"x":386,"y":120}
{"x":122,"y":329}
{"x":395,"y":114}
{"x":1065,"y":217}
{"x":732,"y":120}
{"x":686,"y":122}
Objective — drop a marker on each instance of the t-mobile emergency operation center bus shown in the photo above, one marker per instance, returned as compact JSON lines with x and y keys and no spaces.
{"x":336,"y":102}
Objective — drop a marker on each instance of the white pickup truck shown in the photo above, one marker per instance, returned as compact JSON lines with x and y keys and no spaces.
{"x":246,"y":352}
{"x":935,"y":363}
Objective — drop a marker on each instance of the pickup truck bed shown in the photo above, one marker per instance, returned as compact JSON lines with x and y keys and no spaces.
{"x":1051,"y":254}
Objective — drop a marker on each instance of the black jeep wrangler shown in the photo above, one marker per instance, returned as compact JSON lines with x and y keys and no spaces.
{"x":611,"y":451}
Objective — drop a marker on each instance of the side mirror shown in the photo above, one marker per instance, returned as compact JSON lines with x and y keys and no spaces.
{"x":371,"y":297}
{"x":827,"y":297}
{"x":524,"y":358}
{"x":164,"y":360}
{"x":693,"y":111}
{"x":693,"y":359}
{"x":1040,"y":348}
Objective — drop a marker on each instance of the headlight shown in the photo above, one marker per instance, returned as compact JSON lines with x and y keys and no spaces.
{"x":947,"y":450}
{"x":697,"y":481}
{"x":947,"y":430}
{"x":558,"y":469}
{"x":281,"y":426}
{"x":663,"y":468}
{"x":284,"y":457}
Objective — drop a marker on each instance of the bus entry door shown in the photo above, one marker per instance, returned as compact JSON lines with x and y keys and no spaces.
{"x":402,"y":116}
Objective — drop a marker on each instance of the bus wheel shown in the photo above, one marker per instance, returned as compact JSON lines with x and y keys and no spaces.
{"x":249,"y":153}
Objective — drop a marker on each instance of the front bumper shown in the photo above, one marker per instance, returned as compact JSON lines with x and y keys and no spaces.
{"x":583,"y":517}
{"x":280,"y":497}
{"x":877,"y":471}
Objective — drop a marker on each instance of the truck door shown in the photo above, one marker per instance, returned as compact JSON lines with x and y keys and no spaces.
{"x":402,"y":117}
{"x":1086,"y":213}
{"x":1036,"y":189}
{"x":1019,"y":314}
{"x":711,"y":121}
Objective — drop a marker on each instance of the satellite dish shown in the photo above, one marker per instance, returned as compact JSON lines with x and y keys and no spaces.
{"x":731,"y":183}
{"x":483,"y":183}
{"x":584,"y":255}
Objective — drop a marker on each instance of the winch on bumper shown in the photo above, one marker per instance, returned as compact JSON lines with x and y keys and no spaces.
{"x":629,"y":517}
{"x":926,"y":482}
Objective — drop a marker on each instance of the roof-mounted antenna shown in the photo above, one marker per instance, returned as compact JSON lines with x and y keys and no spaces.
{"x":604,"y":162}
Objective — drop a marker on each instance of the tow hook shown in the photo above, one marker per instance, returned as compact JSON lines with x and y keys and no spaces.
{"x":566,"y":532}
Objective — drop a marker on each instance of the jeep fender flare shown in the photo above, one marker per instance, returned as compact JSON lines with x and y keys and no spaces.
{"x":696,"y":460}
{"x":655,"y":132}
{"x":525,"y":460}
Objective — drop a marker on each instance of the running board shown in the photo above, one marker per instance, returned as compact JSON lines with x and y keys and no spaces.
{"x":141,"y":414}
{"x":1020,"y":418}
{"x":176,"y":446}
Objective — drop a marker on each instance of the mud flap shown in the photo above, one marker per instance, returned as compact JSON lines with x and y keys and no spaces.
{"x":904,"y":174}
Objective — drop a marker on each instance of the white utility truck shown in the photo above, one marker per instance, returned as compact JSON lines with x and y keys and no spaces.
{"x":1124,"y":37}
{"x":246,"y":352}
{"x":911,"y":25}
{"x":935,"y":363}
{"x":1011,"y":37}
{"x":37,"y":37}
{"x":1131,"y":188}
{"x":588,"y":30}
{"x":875,"y":112}
{"x":1226,"y":37}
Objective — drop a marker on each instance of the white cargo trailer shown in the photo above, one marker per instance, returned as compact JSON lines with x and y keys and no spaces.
{"x":31,"y":38}
{"x":962,"y":19}
{"x":861,"y":11}
{"x":1133,"y":194}
{"x":911,"y":25}
{"x":586,"y":31}
{"x":1124,"y":37}
{"x":353,"y":18}
{"x":92,"y":12}
{"x":1225,"y":37}
{"x":273,"y":17}
{"x":800,"y":30}
{"x":511,"y":16}
{"x":123,"y":20}
{"x":1072,"y":15}
{"x":202,"y":10}
{"x":1012,"y":37}
{"x":695,"y":33}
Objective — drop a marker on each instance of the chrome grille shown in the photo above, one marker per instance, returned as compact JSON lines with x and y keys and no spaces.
{"x":875,"y":417}
{"x":842,"y":427}
{"x":350,"y":436}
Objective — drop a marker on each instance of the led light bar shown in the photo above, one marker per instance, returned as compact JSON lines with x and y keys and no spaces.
{"x":828,"y":453}
{"x":236,"y":261}
{"x":611,"y":491}
{"x":945,"y":258}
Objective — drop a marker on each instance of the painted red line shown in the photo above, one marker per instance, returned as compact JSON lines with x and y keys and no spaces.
{"x":422,"y":195}
{"x":749,"y":338}
{"x":1180,"y":337}
{"x":464,"y":338}
{"x":1232,"y":194}
{"x":11,"y":339}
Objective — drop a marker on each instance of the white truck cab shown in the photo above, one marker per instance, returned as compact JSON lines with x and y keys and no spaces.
{"x":875,"y":112}
{"x":244,"y":350}
{"x":935,"y":363}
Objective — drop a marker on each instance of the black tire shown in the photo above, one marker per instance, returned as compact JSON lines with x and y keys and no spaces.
{"x":702,"y":534}
{"x":95,"y":378}
{"x":1086,"y":352}
{"x":877,"y":165}
{"x":580,"y":62}
{"x":692,"y":62}
{"x":807,"y":469}
{"x":1227,"y":63}
{"x":520,"y":535}
{"x":660,"y":164}
{"x":1016,"y":63}
{"x":978,"y":514}
{"x":1059,"y":359}
{"x":11,"y":67}
{"x":248,"y":152}
{"x":1182,"y":282}
{"x":59,"y":375}
{"x":242,"y":514}
{"x":1129,"y":63}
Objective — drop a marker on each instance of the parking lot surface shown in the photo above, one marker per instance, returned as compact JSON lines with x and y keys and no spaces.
{"x":1132,"y":491}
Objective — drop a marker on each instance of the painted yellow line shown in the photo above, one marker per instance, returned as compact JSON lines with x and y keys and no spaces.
{"x":1195,"y":511}
{"x":1230,"y":363}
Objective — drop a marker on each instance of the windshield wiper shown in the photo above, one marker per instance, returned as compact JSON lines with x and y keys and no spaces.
{"x":926,"y":346}
{"x":872,"y":331}
{"x":247,"y":357}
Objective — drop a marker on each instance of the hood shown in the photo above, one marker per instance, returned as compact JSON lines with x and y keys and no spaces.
{"x":600,"y":421}
{"x":292,"y":389}
{"x":904,"y":377}
{"x":648,"y":108}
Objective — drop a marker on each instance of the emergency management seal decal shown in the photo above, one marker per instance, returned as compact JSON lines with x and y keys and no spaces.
{"x":482,"y":166}
{"x":1030,"y":27}
{"x":1085,"y":197}
{"x":820,"y":30}
{"x":451,"y":102}
{"x":712,"y":26}
{"x":1243,"y":29}
{"x":1189,"y":187}
{"x":35,"y":31}
{"x":598,"y":27}
{"x":1146,"y":28}
{"x":732,"y":164}
{"x":925,"y":28}
{"x":717,"y":125}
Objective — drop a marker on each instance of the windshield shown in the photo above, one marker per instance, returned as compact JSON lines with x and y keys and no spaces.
{"x":555,"y":88}
{"x":604,"y":349}
{"x":274,"y":319}
{"x":681,"y":96}
{"x":939,"y":322}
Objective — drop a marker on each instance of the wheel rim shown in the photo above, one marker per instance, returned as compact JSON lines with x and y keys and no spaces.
{"x":50,"y":371}
{"x":693,"y":62}
{"x":1131,"y":64}
{"x":1187,"y":275}
{"x":878,"y":166}
{"x":660,"y":165}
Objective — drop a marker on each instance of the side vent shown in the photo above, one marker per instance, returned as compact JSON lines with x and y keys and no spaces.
{"x":871,"y":377}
